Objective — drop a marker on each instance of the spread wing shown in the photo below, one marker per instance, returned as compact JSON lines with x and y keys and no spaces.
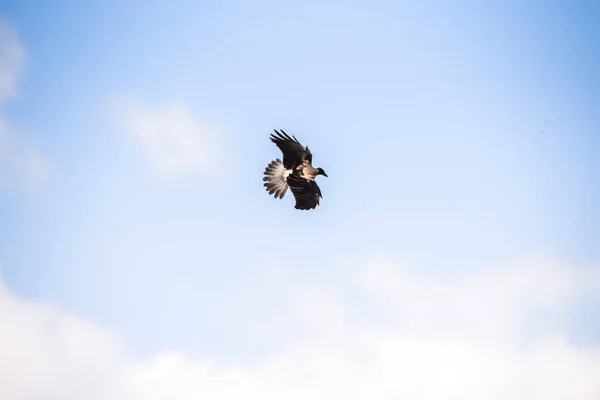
{"x":306,"y":192}
{"x":293,"y":152}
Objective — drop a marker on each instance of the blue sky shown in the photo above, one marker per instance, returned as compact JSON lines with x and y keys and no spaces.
{"x":458,"y":137}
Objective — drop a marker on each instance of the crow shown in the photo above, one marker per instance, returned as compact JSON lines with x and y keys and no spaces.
{"x":295,"y":171}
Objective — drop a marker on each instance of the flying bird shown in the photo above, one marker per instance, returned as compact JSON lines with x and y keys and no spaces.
{"x":295,"y":171}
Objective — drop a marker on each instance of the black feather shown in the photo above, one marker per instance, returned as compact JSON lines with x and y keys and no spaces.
{"x":306,"y":192}
{"x":294,"y":153}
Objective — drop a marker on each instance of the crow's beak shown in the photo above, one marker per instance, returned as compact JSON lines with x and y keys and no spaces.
{"x":324,"y":174}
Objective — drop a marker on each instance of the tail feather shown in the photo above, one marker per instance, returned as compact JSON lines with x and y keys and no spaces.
{"x":276,"y":178}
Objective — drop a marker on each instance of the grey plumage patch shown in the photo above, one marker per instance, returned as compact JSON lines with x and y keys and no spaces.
{"x":276,"y":178}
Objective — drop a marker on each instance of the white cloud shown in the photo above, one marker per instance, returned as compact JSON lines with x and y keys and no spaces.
{"x":493,"y":303}
{"x":12,"y":61}
{"x":441,"y":351}
{"x":48,"y":354}
{"x":20,"y":163}
{"x":173,"y":141}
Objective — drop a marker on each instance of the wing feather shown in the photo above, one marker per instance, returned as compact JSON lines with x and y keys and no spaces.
{"x":293,"y":151}
{"x":306,"y":192}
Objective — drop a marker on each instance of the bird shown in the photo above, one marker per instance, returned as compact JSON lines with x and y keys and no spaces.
{"x":295,"y":172}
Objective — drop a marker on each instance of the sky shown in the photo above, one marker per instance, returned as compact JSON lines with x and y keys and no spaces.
{"x":455,"y":252}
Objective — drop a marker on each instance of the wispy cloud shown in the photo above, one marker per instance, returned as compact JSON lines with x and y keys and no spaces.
{"x":173,"y":140}
{"x":12,"y":60}
{"x":21,"y":164}
{"x":49,"y":353}
{"x":492,"y":304}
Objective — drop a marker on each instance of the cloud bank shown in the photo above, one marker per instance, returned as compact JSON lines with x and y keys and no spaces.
{"x":20,"y":163}
{"x":466,"y":337}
